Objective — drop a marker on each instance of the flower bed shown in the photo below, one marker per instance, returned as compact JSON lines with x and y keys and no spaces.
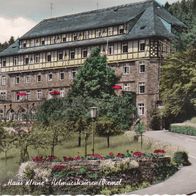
{"x":131,"y":169}
{"x":156,"y":154}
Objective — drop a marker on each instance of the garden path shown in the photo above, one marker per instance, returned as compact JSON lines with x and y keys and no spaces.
{"x":184,"y":181}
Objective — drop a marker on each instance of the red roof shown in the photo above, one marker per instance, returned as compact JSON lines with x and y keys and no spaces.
{"x":55,"y":92}
{"x":117,"y":87}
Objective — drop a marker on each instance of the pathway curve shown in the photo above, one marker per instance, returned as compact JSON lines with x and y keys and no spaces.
{"x":184,"y":181}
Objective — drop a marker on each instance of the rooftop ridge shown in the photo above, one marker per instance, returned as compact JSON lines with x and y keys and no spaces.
{"x":97,"y":10}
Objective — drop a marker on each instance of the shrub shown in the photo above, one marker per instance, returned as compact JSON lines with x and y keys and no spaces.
{"x":183,"y":129}
{"x":181,"y":158}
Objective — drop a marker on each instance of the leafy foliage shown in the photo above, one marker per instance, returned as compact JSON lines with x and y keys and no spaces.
{"x":95,"y":79}
{"x":185,"y":11}
{"x":178,"y":85}
{"x":181,"y":158}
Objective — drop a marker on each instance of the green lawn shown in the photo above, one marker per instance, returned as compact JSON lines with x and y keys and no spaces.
{"x":119,"y":143}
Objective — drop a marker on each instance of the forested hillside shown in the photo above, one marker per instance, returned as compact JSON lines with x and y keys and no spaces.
{"x":185,"y":10}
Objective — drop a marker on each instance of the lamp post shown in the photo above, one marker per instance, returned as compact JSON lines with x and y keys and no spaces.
{"x":93,"y":112}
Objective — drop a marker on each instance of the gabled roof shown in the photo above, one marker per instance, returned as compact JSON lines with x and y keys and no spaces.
{"x":144,"y":19}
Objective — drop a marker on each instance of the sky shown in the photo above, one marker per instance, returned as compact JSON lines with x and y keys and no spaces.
{"x":19,"y":16}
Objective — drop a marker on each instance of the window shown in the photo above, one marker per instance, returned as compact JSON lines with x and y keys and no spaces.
{"x":15,"y":60}
{"x":126,"y":87}
{"x":39,"y":94}
{"x":3,"y":80}
{"x":73,"y":74}
{"x":142,"y":46}
{"x":3,"y":95}
{"x":49,"y":58}
{"x":28,"y":95}
{"x":39,"y":78}
{"x":43,"y":42}
{"x":17,"y":96}
{"x":17,"y":79}
{"x":4,"y":63}
{"x":125,"y":47}
{"x":84,"y":53}
{"x":37,"y":58}
{"x":50,"y":77}
{"x":26,"y":61}
{"x":98,"y":33}
{"x":72,"y":54}
{"x":24,"y":45}
{"x":121,"y":29}
{"x":28,"y":79}
{"x":110,"y":49}
{"x":62,"y":76}
{"x":126,"y":69}
{"x":75,"y":37}
{"x":62,"y":92}
{"x":64,"y":39}
{"x":110,"y":31}
{"x":60,"y":55}
{"x":86,"y":35}
{"x":141,"y":109}
{"x":141,"y":88}
{"x":142,"y":68}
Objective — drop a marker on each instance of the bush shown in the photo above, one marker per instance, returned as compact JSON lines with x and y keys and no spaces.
{"x":181,"y":158}
{"x":183,"y":129}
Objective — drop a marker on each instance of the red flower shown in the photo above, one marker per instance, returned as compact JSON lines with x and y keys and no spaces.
{"x":58,"y":168}
{"x":51,"y":158}
{"x":159,"y":151}
{"x":111,"y":154}
{"x":120,"y":155}
{"x":38,"y":159}
{"x":138,"y":154}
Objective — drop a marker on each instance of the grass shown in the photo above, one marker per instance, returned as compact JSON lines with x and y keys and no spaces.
{"x":119,"y":143}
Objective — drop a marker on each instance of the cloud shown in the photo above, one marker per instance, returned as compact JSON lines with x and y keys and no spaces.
{"x":14,"y":27}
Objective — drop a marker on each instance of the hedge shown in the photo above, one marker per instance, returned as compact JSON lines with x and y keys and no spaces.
{"x":183,"y":129}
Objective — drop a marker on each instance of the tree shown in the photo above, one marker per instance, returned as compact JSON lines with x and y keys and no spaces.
{"x":106,"y":127}
{"x":95,"y":79}
{"x":178,"y":82}
{"x":120,"y":109}
{"x":6,"y":141}
{"x":53,"y":134}
{"x":140,"y":129}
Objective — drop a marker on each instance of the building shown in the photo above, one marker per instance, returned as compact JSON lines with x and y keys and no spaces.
{"x":135,"y":37}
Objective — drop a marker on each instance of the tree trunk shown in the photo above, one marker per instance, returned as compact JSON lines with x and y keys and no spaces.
{"x":141,"y":141}
{"x":79,"y":139}
{"x":52,"y":150}
{"x":5,"y":156}
{"x":85,"y":145}
{"x":24,"y":155}
{"x":108,"y":141}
